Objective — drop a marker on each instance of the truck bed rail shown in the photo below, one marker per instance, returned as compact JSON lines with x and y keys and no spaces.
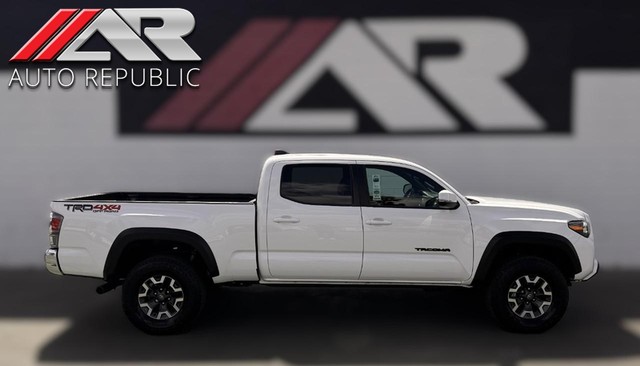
{"x":166,"y":197}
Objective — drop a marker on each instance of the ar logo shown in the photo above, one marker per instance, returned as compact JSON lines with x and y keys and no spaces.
{"x":255,"y":79}
{"x":68,"y":29}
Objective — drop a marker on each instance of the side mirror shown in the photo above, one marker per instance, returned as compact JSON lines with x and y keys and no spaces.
{"x":447,"y":199}
{"x":406,"y":188}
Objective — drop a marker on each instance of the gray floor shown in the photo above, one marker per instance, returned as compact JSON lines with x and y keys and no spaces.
{"x":326,"y":325}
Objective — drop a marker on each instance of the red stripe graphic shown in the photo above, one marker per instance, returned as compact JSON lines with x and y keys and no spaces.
{"x":43,"y":35}
{"x":60,"y":41}
{"x":242,"y":101}
{"x":180,"y":112}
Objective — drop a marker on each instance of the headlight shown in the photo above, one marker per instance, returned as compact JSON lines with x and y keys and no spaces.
{"x":580,"y":226}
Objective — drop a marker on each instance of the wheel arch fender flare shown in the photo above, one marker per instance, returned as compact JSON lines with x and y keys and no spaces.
{"x":133,"y":235}
{"x":507,"y":241}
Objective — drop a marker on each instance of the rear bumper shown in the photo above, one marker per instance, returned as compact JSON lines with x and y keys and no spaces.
{"x":51,"y":261}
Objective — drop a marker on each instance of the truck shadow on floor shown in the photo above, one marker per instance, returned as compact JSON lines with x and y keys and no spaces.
{"x":338,"y":326}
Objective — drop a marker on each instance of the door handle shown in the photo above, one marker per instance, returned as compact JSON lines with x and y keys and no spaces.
{"x":286,"y":220}
{"x":378,"y":222}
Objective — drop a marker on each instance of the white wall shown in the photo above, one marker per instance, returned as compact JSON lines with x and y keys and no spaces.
{"x":56,"y":143}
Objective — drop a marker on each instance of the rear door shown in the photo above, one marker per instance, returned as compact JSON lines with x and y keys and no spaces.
{"x":314,"y":222}
{"x":407,"y":237}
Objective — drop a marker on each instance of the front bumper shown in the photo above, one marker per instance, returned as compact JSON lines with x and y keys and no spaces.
{"x":596,"y":268}
{"x":51,"y":261}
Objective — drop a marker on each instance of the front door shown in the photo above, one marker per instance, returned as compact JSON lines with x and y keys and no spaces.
{"x":407,"y":237}
{"x":314,"y":225}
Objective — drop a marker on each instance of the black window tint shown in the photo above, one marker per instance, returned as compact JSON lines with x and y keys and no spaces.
{"x":317,"y":184}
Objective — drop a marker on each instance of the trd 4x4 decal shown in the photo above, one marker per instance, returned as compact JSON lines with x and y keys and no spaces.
{"x":92,"y":208}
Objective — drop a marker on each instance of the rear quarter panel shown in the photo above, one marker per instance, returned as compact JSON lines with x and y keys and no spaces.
{"x":228,"y":228}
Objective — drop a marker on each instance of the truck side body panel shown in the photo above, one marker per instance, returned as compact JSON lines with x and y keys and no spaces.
{"x":418,"y":244}
{"x":323,"y":242}
{"x":490,"y":219}
{"x":228,"y":228}
{"x":251,"y":242}
{"x":313,"y":251}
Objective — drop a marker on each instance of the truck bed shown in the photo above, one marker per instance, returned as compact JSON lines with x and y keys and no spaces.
{"x":166,"y":197}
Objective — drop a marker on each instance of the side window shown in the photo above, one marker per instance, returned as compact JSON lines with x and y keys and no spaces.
{"x":391,"y":186}
{"x":317,"y":184}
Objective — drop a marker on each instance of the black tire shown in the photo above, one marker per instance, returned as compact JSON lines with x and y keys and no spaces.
{"x":156,"y":312}
{"x":517,"y":296}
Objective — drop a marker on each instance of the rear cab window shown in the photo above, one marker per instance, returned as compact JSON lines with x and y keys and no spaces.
{"x":317,"y":184}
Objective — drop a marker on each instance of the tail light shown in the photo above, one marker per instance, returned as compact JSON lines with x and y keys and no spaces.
{"x":55,"y":224}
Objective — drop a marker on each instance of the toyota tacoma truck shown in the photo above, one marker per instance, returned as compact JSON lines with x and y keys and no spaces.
{"x":324,"y":219}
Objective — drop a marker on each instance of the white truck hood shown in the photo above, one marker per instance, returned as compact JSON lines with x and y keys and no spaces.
{"x":506,"y":203}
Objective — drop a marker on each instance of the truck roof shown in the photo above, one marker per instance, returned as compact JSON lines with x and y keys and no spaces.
{"x":334,"y":156}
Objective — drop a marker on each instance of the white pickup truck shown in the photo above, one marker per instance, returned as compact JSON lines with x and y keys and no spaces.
{"x":323,"y":219}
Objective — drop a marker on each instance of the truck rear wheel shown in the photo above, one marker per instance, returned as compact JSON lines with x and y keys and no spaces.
{"x":163,"y":295}
{"x":528,"y":295}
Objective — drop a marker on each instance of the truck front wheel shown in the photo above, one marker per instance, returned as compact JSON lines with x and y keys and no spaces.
{"x":528,"y":295}
{"x":163,"y":295}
